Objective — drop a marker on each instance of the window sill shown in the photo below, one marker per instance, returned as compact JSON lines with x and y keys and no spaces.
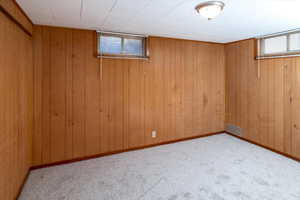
{"x":276,"y":56}
{"x":123,"y":57}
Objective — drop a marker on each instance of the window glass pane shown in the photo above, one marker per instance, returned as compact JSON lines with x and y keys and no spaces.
{"x":276,"y":45}
{"x":110,"y":45}
{"x":133,"y":47}
{"x":295,"y":41}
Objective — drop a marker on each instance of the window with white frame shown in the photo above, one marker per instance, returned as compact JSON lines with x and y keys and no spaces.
{"x":122,"y":45}
{"x":286,"y":44}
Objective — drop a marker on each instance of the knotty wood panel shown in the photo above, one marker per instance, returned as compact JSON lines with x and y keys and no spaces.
{"x":272,"y":103}
{"x":262,"y":97}
{"x":134,"y":123}
{"x":293,"y":80}
{"x":242,"y":85}
{"x":87,"y":106}
{"x":112,"y":105}
{"x":16,"y":105}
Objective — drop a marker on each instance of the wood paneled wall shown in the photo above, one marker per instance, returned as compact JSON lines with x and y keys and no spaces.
{"x":263,"y":97}
{"x":83,"y":109}
{"x":12,"y":7}
{"x":16,"y":106}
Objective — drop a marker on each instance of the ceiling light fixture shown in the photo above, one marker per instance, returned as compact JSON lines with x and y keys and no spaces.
{"x":210,"y":9}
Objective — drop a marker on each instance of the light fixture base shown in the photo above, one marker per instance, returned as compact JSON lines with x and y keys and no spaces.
{"x":203,"y":9}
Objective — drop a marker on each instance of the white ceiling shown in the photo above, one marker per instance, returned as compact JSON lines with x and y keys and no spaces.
{"x":241,"y":19}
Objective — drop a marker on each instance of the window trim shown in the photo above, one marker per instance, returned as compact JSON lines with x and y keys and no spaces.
{"x":287,"y":53}
{"x":123,"y":36}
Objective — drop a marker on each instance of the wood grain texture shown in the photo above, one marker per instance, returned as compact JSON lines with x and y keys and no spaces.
{"x":87,"y":106}
{"x":294,"y":102}
{"x":262,"y":97}
{"x":11,"y":7}
{"x":16,"y":105}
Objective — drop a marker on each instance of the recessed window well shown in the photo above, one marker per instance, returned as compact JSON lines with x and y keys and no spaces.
{"x":119,"y":45}
{"x":279,"y":45}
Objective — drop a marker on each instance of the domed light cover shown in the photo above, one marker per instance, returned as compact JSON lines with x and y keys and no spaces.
{"x":210,"y":9}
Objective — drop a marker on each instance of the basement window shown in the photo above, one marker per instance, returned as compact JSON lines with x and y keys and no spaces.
{"x":279,"y":45}
{"x":118,"y":45}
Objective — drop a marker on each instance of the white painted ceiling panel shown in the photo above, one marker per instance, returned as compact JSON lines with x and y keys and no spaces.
{"x":40,"y":9}
{"x":65,"y":9}
{"x":95,"y":13}
{"x":123,"y":19}
{"x":241,"y":19}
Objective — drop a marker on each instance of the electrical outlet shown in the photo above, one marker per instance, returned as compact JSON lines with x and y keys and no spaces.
{"x":153,"y":134}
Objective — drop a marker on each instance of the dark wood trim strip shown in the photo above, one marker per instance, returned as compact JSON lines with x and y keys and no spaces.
{"x":263,"y":146}
{"x":15,"y":21}
{"x":122,"y":151}
{"x":22,"y":185}
{"x":22,"y":11}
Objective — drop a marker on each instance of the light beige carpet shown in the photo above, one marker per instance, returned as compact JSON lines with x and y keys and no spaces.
{"x":219,"y":167}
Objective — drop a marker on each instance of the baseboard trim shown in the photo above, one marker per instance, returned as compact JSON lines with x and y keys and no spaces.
{"x":122,"y":151}
{"x":265,"y":147}
{"x":145,"y":147}
{"x":22,"y":185}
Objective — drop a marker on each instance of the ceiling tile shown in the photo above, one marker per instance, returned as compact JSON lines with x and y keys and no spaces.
{"x":169,"y":18}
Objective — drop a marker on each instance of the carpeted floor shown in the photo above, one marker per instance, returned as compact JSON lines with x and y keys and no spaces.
{"x":219,"y":167}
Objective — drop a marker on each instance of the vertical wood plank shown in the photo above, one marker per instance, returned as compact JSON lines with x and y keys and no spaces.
{"x":136,"y":134}
{"x":69,"y":97}
{"x":92,"y":96}
{"x":278,"y":88}
{"x":179,"y":89}
{"x":38,"y":131}
{"x":79,"y":93}
{"x":58,"y":54}
{"x":188,"y":90}
{"x":295,"y":108}
{"x":288,"y":112}
{"x":46,"y":78}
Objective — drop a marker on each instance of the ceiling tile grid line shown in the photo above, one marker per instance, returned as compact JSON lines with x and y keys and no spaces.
{"x":139,"y":12}
{"x":81,"y":9}
{"x":109,"y":13}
